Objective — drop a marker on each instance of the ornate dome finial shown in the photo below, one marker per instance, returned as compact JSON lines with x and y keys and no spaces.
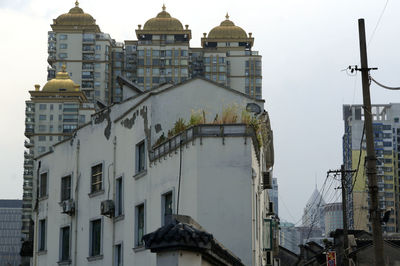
{"x":63,"y":67}
{"x":227,"y":16}
{"x":76,"y":3}
{"x":163,"y":7}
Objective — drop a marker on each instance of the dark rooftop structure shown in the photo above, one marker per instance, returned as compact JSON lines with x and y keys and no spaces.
{"x":183,"y":233}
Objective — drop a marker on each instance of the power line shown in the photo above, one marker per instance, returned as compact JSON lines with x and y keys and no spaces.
{"x":319,"y":203}
{"x":313,"y":203}
{"x":383,"y":86}
{"x":287,"y":209}
{"x":377,"y":24}
{"x":359,"y":161}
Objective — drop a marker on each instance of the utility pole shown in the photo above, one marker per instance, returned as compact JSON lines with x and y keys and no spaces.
{"x":374,"y":211}
{"x":343,"y":174}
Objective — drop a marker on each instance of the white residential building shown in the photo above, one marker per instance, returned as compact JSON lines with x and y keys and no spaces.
{"x":119,"y":177}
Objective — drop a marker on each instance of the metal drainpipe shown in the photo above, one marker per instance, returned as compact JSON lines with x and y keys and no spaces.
{"x":76,"y":201}
{"x":35,"y":236}
{"x":113,"y":185}
{"x":253,"y":217}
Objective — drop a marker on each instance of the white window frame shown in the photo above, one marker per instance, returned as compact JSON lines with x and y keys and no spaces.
{"x":47,"y":184}
{"x":61,"y":188}
{"x":122,"y":253}
{"x":137,"y":245}
{"x":102,"y":178}
{"x":91,"y":234}
{"x":61,"y":243}
{"x":137,"y":157}
{"x":40,"y":235}
{"x":171,"y":190}
{"x":117,"y":192}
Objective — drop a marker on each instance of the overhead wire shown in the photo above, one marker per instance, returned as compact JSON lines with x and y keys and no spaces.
{"x":354,"y":176}
{"x":287,"y":209}
{"x":307,"y":210}
{"x":377,"y":24}
{"x":383,"y":86}
{"x":319,"y":204}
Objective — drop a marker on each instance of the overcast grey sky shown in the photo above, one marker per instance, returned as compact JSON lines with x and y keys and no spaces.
{"x":304,"y":43}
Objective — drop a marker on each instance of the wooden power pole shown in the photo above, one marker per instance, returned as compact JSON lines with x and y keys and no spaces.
{"x":374,"y":211}
{"x":343,"y":175}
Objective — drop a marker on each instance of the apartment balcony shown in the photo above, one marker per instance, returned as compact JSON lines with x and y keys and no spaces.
{"x":28,"y":155}
{"x":51,"y":59}
{"x":29,"y":131}
{"x":88,"y":67}
{"x":27,"y":187}
{"x":51,"y":49}
{"x":25,"y":230}
{"x":88,"y":40}
{"x":29,"y":120}
{"x":88,"y":50}
{"x":145,"y":42}
{"x":87,"y":57}
{"x":29,"y":144}
{"x":26,"y":216}
{"x":29,"y":110}
{"x":27,"y":206}
{"x":26,"y":196}
{"x":52,"y":39}
{"x":28,"y":163}
{"x":28,"y":173}
{"x":87,"y":77}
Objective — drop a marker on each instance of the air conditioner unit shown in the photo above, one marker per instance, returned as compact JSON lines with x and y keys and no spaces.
{"x":107,"y":208}
{"x":267,"y":180}
{"x":68,"y":207}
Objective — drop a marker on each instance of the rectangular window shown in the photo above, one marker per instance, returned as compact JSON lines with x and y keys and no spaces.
{"x":65,"y":243}
{"x":43,"y":185}
{"x":96,"y":183}
{"x":95,"y":238}
{"x":119,"y":188}
{"x":63,"y":55}
{"x":63,"y":45}
{"x":166,"y":208}
{"x":42,"y":106}
{"x":42,"y":235}
{"x":82,"y":119}
{"x":42,"y":117}
{"x":66,"y":188}
{"x":140,"y":220}
{"x":140,"y":157}
{"x":118,"y":255}
{"x":98,"y":47}
{"x":63,"y":36}
{"x":42,"y":138}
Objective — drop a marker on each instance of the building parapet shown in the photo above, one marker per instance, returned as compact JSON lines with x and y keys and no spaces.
{"x":204,"y":130}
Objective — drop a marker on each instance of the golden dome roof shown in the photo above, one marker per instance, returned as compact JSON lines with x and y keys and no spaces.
{"x":61,"y":83}
{"x":227,"y":30}
{"x":75,"y":17}
{"x":163,"y":22}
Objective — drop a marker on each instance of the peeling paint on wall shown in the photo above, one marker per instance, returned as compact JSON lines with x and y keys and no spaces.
{"x":129,"y":122}
{"x":158,"y":128}
{"x":99,"y":118}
